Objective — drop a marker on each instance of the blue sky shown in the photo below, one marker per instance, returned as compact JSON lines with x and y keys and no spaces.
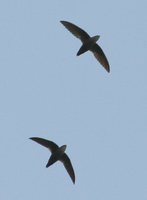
{"x":47,"y":91}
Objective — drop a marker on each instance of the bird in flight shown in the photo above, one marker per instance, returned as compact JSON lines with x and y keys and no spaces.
{"x":57,"y":153}
{"x":89,"y":43}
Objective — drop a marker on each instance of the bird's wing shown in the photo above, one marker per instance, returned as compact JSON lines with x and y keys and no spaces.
{"x":46,"y":143}
{"x":100,"y":56}
{"x":76,"y":31}
{"x":67,"y":164}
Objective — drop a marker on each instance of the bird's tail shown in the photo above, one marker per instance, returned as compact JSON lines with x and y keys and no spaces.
{"x":82,"y":49}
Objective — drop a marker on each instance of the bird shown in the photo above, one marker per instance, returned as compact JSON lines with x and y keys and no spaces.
{"x":89,"y":43}
{"x":57,"y":154}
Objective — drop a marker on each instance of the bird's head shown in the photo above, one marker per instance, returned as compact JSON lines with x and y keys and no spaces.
{"x":63,"y":148}
{"x":95,"y":38}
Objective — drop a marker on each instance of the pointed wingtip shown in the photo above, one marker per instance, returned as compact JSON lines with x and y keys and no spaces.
{"x":47,"y":165}
{"x":73,"y":180}
{"x":62,"y":22}
{"x":65,"y":23}
{"x":108,"y":67}
{"x":77,"y":54}
{"x":108,"y":70}
{"x":33,"y":138}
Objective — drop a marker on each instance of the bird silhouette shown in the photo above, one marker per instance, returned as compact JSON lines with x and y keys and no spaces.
{"x":57,"y":153}
{"x":89,"y":43}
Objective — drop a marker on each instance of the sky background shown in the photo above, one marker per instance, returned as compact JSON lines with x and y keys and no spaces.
{"x":47,"y":91}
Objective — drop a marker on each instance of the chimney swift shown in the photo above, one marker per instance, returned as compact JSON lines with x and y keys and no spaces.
{"x":89,"y":43}
{"x":58,"y":153}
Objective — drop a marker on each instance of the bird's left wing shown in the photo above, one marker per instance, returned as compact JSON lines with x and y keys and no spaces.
{"x":76,"y":31}
{"x":46,"y":143}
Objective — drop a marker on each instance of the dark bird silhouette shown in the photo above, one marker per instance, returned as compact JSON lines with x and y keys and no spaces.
{"x":58,"y":153}
{"x":89,"y":43}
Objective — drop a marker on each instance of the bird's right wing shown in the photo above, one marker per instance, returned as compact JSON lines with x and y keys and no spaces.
{"x":76,"y":31}
{"x":100,"y":56}
{"x":46,"y":143}
{"x":67,"y":164}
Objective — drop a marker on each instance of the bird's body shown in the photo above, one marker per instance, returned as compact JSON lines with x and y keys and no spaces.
{"x":89,"y":43}
{"x":58,"y":154}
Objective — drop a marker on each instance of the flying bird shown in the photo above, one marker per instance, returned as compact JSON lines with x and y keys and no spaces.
{"x":89,"y":43}
{"x":57,"y":153}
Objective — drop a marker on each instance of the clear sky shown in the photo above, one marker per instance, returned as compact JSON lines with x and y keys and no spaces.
{"x":49,"y":92}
